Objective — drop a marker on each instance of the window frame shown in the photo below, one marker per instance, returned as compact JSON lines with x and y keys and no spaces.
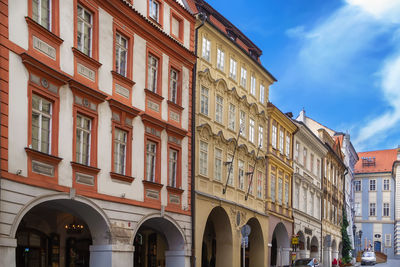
{"x":232,"y":117}
{"x":357,"y":186}
{"x":243,"y":77}
{"x":287,"y":149}
{"x":251,"y":130}
{"x":178,"y":167}
{"x":372,"y":185}
{"x":260,"y":184}
{"x":206,"y":49}
{"x":386,"y":209}
{"x":175,"y":16}
{"x":91,"y":53}
{"x":386,"y":186}
{"x":160,"y":16}
{"x":281,"y":140}
{"x":203,"y":161}
{"x":204,"y":100}
{"x":253,"y":82}
{"x":157,"y":88}
{"x":260,"y":136}
{"x":242,"y":123}
{"x":220,"y":160}
{"x":220,"y":59}
{"x":219,"y":109}
{"x":272,"y":193}
{"x":178,"y":70}
{"x":241,"y":173}
{"x":372,"y":207}
{"x":54,"y":16}
{"x":233,"y":68}
{"x":262,"y":93}
{"x":274,"y":136}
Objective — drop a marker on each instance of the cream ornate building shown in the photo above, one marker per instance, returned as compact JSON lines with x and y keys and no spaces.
{"x":333,"y":190}
{"x":231,"y":137}
{"x":309,"y":154}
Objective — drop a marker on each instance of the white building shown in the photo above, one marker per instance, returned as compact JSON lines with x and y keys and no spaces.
{"x":309,"y":153}
{"x":95,"y":133}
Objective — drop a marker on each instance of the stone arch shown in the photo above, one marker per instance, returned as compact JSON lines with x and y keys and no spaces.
{"x":217,"y":243}
{"x":280,"y":246}
{"x":165,"y":238}
{"x":314,"y":252}
{"x":89,"y":211}
{"x":256,"y":244}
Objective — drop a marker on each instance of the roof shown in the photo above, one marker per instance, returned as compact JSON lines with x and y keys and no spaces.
{"x":376,"y":161}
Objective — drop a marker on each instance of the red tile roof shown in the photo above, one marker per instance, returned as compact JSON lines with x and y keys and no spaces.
{"x":376,"y":161}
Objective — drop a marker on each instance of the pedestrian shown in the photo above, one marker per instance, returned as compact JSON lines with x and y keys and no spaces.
{"x":334,"y":262}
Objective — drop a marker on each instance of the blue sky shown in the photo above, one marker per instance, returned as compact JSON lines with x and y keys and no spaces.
{"x":337,"y":59}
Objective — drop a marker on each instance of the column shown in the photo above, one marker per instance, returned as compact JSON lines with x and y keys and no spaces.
{"x":111,"y":255}
{"x":327,"y":259}
{"x":176,"y":258}
{"x":285,"y":254}
{"x":7,"y":251}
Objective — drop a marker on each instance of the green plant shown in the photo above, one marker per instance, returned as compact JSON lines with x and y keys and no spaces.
{"x":346,"y":244}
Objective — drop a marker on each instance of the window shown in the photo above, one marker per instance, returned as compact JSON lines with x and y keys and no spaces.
{"x":287,"y":193}
{"x":318,"y":168}
{"x":242,"y":121}
{"x":253,"y":85}
{"x":305,"y":157}
{"x":250,"y":177}
{"x":386,"y":184}
{"x":259,"y":184}
{"x":274,"y":136}
{"x":204,"y":101}
{"x":241,"y":174}
{"x":85,"y":28}
{"x":273,"y":182}
{"x":154,"y":10}
{"x":372,"y":185}
{"x":312,"y":163}
{"x":260,"y":136}
{"x":219,"y":108}
{"x":229,"y":169}
{"x":41,"y":124}
{"x":243,"y":77}
{"x":206,"y":49}
{"x":296,"y":153}
{"x":176,"y":26}
{"x":173,"y":167}
{"x":251,"y":130}
{"x":231,"y":117}
{"x":173,"y":86}
{"x":151,"y":157}
{"x":357,"y":186}
{"x":280,"y":192}
{"x":281,"y":141}
{"x":357,"y":209}
{"x":121,"y":54}
{"x":203,"y":166}
{"x":41,"y":12}
{"x":287,"y":146}
{"x":262,"y":93}
{"x":83,"y":139}
{"x":220,"y":59}
{"x":386,"y":209}
{"x":218,"y":164}
{"x":152,"y":73}
{"x":388,"y":240}
{"x":120,"y":145}
{"x":372,"y":209}
{"x":232,"y":70}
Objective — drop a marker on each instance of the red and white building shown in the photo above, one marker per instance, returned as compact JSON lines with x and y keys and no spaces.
{"x":95,"y":132}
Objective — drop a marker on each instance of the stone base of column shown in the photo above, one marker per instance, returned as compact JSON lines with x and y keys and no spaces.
{"x":111,"y":255}
{"x":177,"y":258}
{"x":7,"y":251}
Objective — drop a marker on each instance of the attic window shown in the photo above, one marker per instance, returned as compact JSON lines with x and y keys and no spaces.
{"x":368,"y":161}
{"x":231,"y":34}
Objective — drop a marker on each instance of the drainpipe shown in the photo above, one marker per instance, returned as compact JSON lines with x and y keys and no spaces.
{"x":202,"y":17}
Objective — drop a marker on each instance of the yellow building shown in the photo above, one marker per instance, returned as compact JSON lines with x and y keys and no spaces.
{"x":230,"y":143}
{"x":279,"y":189}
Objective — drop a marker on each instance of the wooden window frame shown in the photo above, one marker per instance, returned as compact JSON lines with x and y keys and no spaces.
{"x":160,"y":20}
{"x":55,"y":18}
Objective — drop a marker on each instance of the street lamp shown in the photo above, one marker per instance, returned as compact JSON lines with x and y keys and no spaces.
{"x":360,"y":235}
{"x":354,"y":239}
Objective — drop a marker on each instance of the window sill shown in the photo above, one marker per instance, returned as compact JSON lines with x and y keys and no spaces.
{"x":79,"y":54}
{"x":42,"y":30}
{"x":85,"y":168}
{"x":85,"y":68}
{"x":42,"y":156}
{"x":122,"y":177}
{"x":175,"y":190}
{"x":123,"y":79}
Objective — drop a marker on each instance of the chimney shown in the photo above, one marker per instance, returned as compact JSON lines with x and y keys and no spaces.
{"x":302,"y":116}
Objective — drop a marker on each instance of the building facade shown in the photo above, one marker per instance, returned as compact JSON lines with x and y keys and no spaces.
{"x":96,"y":126}
{"x":350,"y":160}
{"x":309,"y":153}
{"x":333,"y":190}
{"x":231,"y":143}
{"x":279,"y":189}
{"x":376,"y":176}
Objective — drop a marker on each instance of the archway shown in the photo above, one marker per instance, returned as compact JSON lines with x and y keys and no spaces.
{"x":314,"y":252}
{"x":280,"y":246}
{"x":217,"y":240}
{"x":159,"y":242}
{"x":254,"y":253}
{"x":62,"y":232}
{"x":335,"y":252}
{"x":302,"y":245}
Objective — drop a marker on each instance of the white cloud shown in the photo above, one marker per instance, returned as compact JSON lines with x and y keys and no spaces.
{"x":381,"y":124}
{"x":385,"y":10}
{"x":296,"y":32}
